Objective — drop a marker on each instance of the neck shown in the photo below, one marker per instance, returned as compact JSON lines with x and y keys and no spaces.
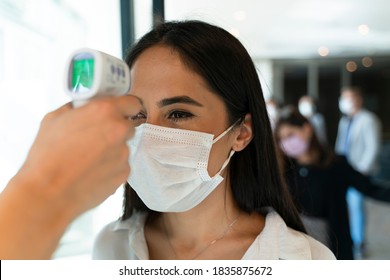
{"x":194,"y":226}
{"x":354,"y":113}
{"x":215,"y":229}
{"x":307,"y":158}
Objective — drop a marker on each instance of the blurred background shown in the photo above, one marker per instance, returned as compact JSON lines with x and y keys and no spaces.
{"x":300,"y":47}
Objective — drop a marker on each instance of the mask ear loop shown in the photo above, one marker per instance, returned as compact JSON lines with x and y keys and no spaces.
{"x":225,"y":132}
{"x":226,"y":162}
{"x":231,"y":152}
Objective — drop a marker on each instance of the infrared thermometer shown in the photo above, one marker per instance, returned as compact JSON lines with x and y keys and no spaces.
{"x":91,"y":73}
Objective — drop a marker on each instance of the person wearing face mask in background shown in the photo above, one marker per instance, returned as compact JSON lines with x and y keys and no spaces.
{"x":205,"y":180}
{"x":318,"y":180}
{"x":307,"y":107}
{"x":359,"y":139}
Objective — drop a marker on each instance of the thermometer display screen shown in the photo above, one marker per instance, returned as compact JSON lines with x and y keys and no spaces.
{"x":82,"y":72}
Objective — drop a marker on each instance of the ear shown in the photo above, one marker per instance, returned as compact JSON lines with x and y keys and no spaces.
{"x":244,"y":134}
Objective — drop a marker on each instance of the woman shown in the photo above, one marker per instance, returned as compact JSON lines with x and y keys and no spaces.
{"x":319,"y":180}
{"x":204,"y":180}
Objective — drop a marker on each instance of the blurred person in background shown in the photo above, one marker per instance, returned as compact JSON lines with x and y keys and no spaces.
{"x":307,"y":107}
{"x":359,"y":139}
{"x":318,"y":180}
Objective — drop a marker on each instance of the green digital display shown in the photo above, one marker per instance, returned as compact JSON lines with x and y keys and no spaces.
{"x":82,"y":74}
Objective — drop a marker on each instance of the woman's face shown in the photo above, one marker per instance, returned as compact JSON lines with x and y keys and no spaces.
{"x":294,"y":140}
{"x":174,"y":96}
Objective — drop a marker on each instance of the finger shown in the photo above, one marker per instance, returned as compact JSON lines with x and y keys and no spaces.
{"x":131,"y":130}
{"x":128,"y":105}
{"x":64,"y":108}
{"x":60,"y":111}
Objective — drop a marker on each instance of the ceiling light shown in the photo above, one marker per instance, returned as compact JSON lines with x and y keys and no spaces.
{"x":363,"y":29}
{"x":367,"y":61}
{"x":323,"y":51}
{"x":351,"y":66}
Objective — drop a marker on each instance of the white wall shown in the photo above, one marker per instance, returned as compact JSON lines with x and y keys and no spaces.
{"x":264,"y":69}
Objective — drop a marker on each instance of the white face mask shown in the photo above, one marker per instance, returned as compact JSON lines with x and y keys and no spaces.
{"x":306,"y":109}
{"x":346,"y":106}
{"x":169,"y":167}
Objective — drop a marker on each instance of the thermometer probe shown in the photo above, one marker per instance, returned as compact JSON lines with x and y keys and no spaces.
{"x":91,"y":73}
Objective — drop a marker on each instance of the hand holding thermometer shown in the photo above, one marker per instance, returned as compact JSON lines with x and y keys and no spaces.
{"x":91,"y":73}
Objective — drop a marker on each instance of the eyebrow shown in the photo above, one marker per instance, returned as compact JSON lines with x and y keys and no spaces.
{"x":178,"y":99}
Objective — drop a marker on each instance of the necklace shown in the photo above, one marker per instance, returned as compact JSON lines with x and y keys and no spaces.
{"x":224,"y":233}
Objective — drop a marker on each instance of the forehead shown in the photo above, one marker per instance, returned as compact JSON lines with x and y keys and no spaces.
{"x":306,"y":99}
{"x":287,"y":129}
{"x":159,"y":72}
{"x":163,"y":65}
{"x":349,"y":94}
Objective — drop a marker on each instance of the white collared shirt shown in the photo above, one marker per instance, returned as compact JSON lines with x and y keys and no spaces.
{"x":125,"y":240}
{"x":364,"y":141}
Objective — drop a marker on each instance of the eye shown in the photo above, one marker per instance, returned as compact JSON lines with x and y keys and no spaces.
{"x":179,"y":115}
{"x":138,"y":118}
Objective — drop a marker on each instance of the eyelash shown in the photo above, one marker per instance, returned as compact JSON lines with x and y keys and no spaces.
{"x":138,"y":116}
{"x":178,"y":116}
{"x":174,"y":115}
